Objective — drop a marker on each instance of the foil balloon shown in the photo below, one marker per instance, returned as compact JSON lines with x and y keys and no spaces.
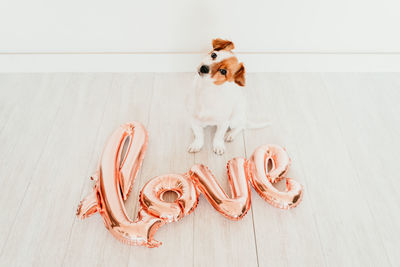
{"x":120,"y":162}
{"x":269,"y":164}
{"x":233,"y":208}
{"x":152,"y":197}
{"x":114,"y":180}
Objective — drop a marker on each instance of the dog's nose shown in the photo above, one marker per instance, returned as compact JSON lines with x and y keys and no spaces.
{"x":204,"y":69}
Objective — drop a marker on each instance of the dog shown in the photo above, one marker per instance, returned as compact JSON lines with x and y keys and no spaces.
{"x":217,"y":98}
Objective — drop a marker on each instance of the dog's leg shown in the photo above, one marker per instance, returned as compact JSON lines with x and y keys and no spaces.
{"x":229,"y":136}
{"x":218,"y":142}
{"x":198,"y":141}
{"x":237,"y":123}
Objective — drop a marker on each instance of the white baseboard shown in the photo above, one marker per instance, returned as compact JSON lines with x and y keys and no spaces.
{"x":187,"y":62}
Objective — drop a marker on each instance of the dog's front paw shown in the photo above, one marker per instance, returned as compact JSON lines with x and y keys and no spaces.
{"x":195,"y":146}
{"x":228,"y":137}
{"x":219,"y":148}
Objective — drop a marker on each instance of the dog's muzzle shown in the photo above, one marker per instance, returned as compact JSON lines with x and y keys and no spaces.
{"x":204,"y":69}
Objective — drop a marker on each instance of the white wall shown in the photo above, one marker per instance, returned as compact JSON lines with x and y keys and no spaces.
{"x":272,"y":28}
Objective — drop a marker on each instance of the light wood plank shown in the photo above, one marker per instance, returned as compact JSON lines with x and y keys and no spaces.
{"x":168,"y":137}
{"x":45,"y":217}
{"x":90,"y":244}
{"x":372,"y":139}
{"x":34,"y":101}
{"x":344,"y":222}
{"x":219,"y":241}
{"x":12,"y":87}
{"x":284,"y":237}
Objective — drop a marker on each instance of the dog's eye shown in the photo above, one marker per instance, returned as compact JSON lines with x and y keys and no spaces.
{"x":213,"y":56}
{"x":222,"y":71}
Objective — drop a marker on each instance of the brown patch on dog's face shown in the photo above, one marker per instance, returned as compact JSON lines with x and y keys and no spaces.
{"x":220,"y":44}
{"x":228,"y":70}
{"x":240,"y":75}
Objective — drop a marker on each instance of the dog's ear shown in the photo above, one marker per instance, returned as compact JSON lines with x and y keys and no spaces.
{"x":220,"y":44}
{"x":239,"y":75}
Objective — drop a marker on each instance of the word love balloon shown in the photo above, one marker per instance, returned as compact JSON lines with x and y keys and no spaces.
{"x":119,"y":165}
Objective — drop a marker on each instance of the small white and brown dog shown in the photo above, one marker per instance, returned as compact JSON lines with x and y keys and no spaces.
{"x":217,"y":98}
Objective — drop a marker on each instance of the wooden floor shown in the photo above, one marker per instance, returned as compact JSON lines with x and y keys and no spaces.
{"x":342,"y":132}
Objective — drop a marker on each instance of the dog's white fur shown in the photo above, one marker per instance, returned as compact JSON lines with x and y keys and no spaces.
{"x":223,"y":106}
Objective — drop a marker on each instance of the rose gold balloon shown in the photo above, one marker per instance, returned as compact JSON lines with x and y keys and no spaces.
{"x":279,"y":160}
{"x":119,"y":165}
{"x":233,"y":208}
{"x":261,"y":177}
{"x":152,"y":197}
{"x":114,"y":180}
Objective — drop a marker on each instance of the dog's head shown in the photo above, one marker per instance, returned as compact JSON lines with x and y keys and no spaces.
{"x":221,"y":64}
